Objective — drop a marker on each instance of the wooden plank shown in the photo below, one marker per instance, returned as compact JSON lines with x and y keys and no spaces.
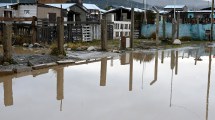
{"x":85,"y":22}
{"x":17,"y":19}
{"x":65,"y":62}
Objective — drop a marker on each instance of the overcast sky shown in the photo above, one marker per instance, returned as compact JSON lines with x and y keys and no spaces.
{"x":190,"y":3}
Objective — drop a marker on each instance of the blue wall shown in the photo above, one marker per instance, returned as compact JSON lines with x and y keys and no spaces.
{"x":196,"y":31}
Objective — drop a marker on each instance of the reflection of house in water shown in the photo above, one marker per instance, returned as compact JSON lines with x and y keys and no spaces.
{"x":144,"y":56}
{"x":125,"y":59}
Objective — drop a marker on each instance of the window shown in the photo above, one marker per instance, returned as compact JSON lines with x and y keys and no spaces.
{"x":117,"y":34}
{"x":8,"y":14}
{"x":122,"y":25}
{"x":26,"y":11}
{"x":126,"y":26}
{"x":116,"y":26}
{"x":52,"y":17}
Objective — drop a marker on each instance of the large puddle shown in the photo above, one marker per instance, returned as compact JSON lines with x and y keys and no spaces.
{"x":146,"y":85}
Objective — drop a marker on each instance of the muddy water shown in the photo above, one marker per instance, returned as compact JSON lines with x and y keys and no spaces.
{"x":146,"y":85}
{"x":21,"y":50}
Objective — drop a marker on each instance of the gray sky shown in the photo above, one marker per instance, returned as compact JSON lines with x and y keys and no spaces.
{"x":190,"y":3}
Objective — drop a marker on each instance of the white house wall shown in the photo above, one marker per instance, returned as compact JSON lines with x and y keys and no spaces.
{"x":1,"y":12}
{"x":23,"y":9}
{"x":121,"y":28}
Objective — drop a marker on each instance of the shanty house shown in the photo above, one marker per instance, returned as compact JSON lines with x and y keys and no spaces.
{"x":121,"y":17}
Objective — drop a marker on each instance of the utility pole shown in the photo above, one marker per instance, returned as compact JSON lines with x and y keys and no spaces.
{"x":145,"y":18}
{"x":212,"y":20}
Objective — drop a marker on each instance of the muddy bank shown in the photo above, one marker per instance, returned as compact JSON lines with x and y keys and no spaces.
{"x":25,"y":60}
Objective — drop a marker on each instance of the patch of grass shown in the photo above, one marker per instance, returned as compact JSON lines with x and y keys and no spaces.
{"x":75,"y":45}
{"x":55,"y":51}
{"x":186,"y":38}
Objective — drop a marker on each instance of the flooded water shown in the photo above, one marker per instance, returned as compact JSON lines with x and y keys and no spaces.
{"x":22,"y":50}
{"x":146,"y":85}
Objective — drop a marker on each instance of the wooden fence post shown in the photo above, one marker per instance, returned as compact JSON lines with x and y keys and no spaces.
{"x":164,"y":27}
{"x":7,"y":42}
{"x":173,"y":29}
{"x":104,"y":35}
{"x":33,"y":30}
{"x":178,"y":24}
{"x":60,"y":33}
{"x":157,"y":28}
{"x":132,"y":28}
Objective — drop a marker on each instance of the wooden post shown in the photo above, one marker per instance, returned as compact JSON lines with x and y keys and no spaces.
{"x":212,"y":20}
{"x":173,"y":29}
{"x":178,"y":24}
{"x":60,"y":33}
{"x":198,"y":27}
{"x":157,"y":24}
{"x":34,"y":34}
{"x":164,"y":27}
{"x":103,"y":71}
{"x":7,"y":43}
{"x":104,"y":35}
{"x":157,"y":28}
{"x":132,"y":28}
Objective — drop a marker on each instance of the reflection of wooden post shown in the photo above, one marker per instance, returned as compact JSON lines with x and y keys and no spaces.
{"x":196,"y":57}
{"x":104,"y":34}
{"x":131,"y":72}
{"x":176,"y":65}
{"x":60,"y":87}
{"x":103,"y":72}
{"x":33,"y":30}
{"x":156,"y":69}
{"x":172,"y":65}
{"x":7,"y":42}
{"x":60,"y":27}
{"x":111,"y":64}
{"x":208,"y":86}
{"x":60,"y":81}
{"x":162,"y":57}
{"x":8,"y":91}
{"x":132,"y":28}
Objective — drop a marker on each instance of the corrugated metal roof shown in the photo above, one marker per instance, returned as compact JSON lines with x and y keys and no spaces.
{"x":174,"y":6}
{"x":6,"y":4}
{"x":85,"y":6}
{"x":135,"y":9}
{"x":102,"y":10}
{"x":64,"y":5}
{"x":91,"y":6}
